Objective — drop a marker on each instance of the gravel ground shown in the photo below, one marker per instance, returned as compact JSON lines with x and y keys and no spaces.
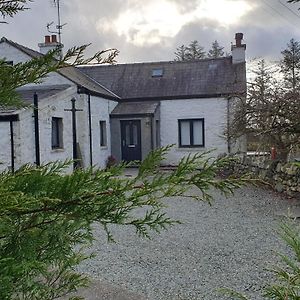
{"x":226,"y":245}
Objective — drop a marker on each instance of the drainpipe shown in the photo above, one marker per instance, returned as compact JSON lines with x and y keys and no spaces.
{"x":12,"y":147}
{"x":74,"y":133}
{"x":36,"y":129}
{"x":90,"y":130}
{"x":228,"y":126}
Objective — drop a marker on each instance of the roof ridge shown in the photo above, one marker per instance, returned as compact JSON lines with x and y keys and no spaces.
{"x":158,"y":62}
{"x":30,"y":52}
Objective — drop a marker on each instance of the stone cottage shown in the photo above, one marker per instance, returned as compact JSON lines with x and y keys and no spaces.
{"x":125,"y":110}
{"x":187,"y":104}
{"x":47,"y":134}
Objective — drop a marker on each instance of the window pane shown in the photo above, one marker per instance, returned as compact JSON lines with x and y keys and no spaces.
{"x":127,"y":134}
{"x":185,"y":133}
{"x":198,"y":132}
{"x":55,"y":136}
{"x":57,"y":133}
{"x":134,"y":134}
{"x":103,"y":135}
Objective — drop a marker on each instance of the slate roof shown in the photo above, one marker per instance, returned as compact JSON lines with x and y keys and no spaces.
{"x":135,"y":108}
{"x":43,"y":92}
{"x":180,"y":80}
{"x":27,"y":93}
{"x":71,"y":73}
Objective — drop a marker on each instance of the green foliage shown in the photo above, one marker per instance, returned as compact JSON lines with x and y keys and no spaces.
{"x":35,"y":70}
{"x":8,"y":8}
{"x":286,"y":274}
{"x":216,"y":50}
{"x":195,"y":52}
{"x":270,"y":112}
{"x":181,"y":53}
{"x":293,"y":1}
{"x":287,"y":285}
{"x":290,"y":65}
{"x":46,"y":217}
{"x":190,"y":53}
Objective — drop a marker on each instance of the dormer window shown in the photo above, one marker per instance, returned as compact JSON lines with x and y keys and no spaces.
{"x":157,"y":72}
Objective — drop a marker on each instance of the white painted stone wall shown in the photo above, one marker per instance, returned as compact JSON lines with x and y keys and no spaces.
{"x":25,"y":139}
{"x":55,"y":107}
{"x":100,"y":110}
{"x":11,"y":53}
{"x":5,"y":149}
{"x":214,"y":112}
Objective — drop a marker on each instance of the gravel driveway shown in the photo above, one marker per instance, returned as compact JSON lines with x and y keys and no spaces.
{"x":226,"y":245}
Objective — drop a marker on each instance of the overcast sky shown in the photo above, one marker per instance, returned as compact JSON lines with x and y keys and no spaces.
{"x":150,"y":30}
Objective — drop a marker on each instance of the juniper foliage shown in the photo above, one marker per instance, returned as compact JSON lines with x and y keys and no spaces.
{"x":45,"y":214}
{"x":286,"y":285}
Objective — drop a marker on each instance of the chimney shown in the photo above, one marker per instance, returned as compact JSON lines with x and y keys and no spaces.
{"x":49,"y":44}
{"x":238,"y":50}
{"x":53,"y":38}
{"x":47,"y":39}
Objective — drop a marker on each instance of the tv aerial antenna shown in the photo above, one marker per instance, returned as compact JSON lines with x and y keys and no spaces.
{"x":59,"y":26}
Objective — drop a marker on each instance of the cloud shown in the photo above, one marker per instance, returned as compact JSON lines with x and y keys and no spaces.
{"x":151,"y":30}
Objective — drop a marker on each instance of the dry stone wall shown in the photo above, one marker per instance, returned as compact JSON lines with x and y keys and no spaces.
{"x":284,"y":177}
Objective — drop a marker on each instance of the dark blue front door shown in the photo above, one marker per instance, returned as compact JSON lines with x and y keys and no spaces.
{"x":131,"y":140}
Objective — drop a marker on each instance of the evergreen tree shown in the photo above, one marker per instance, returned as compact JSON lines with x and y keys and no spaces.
{"x":9,"y":8}
{"x":181,"y":53}
{"x":46,"y":217}
{"x":195,"y":51}
{"x":189,"y":53}
{"x":216,"y":50}
{"x":290,"y":65}
{"x":270,"y":112}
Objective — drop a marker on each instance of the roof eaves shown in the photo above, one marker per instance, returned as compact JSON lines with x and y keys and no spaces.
{"x":83,"y":90}
{"x":181,"y":97}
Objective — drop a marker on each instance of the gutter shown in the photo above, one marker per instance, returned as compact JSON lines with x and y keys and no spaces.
{"x":228,"y":126}
{"x":36,"y":129}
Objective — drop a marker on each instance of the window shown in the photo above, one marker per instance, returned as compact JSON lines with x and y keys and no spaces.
{"x":103,"y":135}
{"x":57,"y":133}
{"x":191,"y":132}
{"x":9,"y":62}
{"x":157,"y":72}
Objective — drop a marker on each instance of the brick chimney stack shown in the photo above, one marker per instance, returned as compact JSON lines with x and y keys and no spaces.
{"x":238,"y":50}
{"x":50,"y":43}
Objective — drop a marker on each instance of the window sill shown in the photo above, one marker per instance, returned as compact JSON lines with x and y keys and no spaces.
{"x":193,"y":148}
{"x":54,"y":150}
{"x":103,"y":147}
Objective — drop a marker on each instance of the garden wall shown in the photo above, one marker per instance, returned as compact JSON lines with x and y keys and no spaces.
{"x":284,"y":177}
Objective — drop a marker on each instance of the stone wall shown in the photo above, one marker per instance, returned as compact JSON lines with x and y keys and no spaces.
{"x":284,"y":177}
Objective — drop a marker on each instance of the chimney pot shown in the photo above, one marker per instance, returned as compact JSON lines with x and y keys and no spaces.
{"x":47,"y":39}
{"x":238,"y":39}
{"x":53,"y":38}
